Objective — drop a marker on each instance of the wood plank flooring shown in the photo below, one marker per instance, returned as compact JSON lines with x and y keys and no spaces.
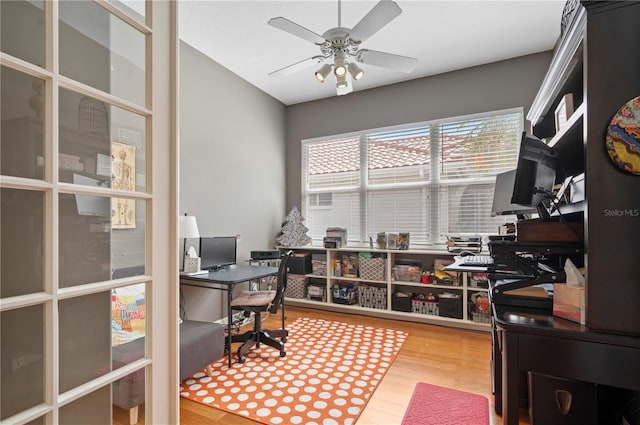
{"x":433,"y":354}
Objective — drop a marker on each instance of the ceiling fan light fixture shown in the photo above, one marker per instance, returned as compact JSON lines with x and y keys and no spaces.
{"x":355,"y":71}
{"x":340,"y":69}
{"x":341,"y":82}
{"x":322,"y":73}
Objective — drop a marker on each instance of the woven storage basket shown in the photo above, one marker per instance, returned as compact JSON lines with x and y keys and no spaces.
{"x":372,"y":297}
{"x":372,"y":268}
{"x":424,"y":307}
{"x":296,"y":286}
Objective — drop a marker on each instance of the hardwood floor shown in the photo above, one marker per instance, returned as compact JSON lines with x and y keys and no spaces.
{"x":433,"y":354}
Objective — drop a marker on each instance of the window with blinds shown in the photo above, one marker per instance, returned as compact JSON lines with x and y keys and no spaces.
{"x":431,"y":179}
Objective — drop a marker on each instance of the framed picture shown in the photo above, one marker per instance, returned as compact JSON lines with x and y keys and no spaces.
{"x":123,"y":177}
{"x":563,"y":110}
{"x":392,"y":241}
{"x":403,"y":240}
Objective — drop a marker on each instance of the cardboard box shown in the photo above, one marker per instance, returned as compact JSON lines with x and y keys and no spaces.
{"x":568,"y":302}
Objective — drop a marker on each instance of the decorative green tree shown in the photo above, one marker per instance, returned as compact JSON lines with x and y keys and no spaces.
{"x":294,"y":233}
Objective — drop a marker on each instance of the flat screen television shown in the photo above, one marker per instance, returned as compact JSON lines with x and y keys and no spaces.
{"x":535,"y":175}
{"x":217,"y":252}
{"x":502,"y":193}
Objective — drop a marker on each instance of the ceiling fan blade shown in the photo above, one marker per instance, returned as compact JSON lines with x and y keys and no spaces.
{"x":298,"y":66}
{"x":381,"y":14}
{"x":292,"y":28}
{"x":387,"y":60}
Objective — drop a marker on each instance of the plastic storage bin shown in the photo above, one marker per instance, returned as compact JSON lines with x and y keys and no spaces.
{"x":344,"y":294}
{"x":317,"y":292}
{"x":407,"y":273}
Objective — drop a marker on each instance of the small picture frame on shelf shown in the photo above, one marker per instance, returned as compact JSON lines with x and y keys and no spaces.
{"x":563,"y":111}
{"x":392,"y":241}
{"x":403,"y":241}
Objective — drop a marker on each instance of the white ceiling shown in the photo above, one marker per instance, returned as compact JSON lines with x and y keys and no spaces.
{"x":443,"y":35}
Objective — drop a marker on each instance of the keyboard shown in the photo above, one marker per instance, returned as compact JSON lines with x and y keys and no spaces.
{"x":476,"y":260}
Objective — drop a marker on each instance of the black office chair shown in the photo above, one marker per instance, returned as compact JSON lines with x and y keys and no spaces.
{"x":258,"y":302}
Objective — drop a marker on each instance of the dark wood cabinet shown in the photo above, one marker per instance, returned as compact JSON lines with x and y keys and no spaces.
{"x":597,"y":62}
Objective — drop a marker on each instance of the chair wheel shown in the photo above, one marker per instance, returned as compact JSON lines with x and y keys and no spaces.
{"x":284,"y":339}
{"x":283,"y":353}
{"x":241,"y":360}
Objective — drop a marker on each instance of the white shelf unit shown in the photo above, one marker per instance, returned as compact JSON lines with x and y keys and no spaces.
{"x":426,"y":259}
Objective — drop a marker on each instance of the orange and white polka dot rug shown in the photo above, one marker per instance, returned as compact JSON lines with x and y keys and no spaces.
{"x":327,"y":377}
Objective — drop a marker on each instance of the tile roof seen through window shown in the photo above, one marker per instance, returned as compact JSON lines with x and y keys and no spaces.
{"x":340,"y":156}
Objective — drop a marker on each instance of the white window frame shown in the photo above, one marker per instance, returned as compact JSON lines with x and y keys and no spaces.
{"x":435,"y":229}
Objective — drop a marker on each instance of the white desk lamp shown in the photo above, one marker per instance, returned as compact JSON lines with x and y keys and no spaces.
{"x":187,"y":229}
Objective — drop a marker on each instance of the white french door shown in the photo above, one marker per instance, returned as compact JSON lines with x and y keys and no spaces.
{"x":87,"y":215}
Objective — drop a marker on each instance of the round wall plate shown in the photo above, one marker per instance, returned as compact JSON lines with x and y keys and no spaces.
{"x":623,"y":137}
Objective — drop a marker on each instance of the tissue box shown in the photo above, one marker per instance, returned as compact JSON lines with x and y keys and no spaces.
{"x":568,"y":302}
{"x":191,"y":264}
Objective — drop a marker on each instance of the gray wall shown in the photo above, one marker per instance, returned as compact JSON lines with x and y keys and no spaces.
{"x":236,"y":141}
{"x":499,"y":85}
{"x":232,"y":163}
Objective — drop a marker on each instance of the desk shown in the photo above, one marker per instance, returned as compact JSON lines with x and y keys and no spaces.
{"x":225,"y":280}
{"x":527,"y":339}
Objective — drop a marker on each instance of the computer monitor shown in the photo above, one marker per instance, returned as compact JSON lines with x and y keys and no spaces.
{"x":217,"y":252}
{"x":535,"y":175}
{"x":91,"y":205}
{"x":502,"y":193}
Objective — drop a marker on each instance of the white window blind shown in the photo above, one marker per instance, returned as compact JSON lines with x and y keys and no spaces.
{"x":332,"y":168}
{"x":430,"y":179}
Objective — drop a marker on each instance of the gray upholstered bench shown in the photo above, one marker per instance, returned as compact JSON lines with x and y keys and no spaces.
{"x":201,"y":343}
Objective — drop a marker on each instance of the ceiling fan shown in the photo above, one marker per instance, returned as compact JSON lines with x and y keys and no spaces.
{"x":340,"y":47}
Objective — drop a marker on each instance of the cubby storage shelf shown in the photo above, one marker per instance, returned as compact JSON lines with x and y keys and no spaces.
{"x":425,"y":257}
